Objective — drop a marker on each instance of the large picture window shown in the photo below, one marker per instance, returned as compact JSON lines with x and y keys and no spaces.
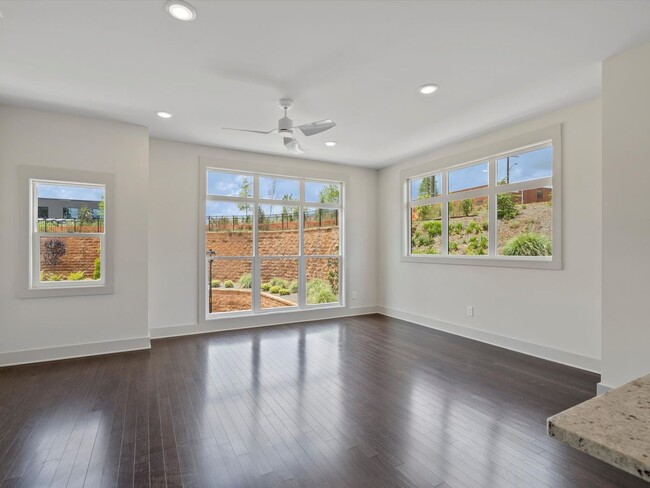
{"x":498,"y":209}
{"x":68,"y":234}
{"x":271,"y":243}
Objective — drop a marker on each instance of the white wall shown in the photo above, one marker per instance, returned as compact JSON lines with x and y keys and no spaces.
{"x":43,"y":328}
{"x":552,"y":314}
{"x":626,"y":226}
{"x":173,"y":236}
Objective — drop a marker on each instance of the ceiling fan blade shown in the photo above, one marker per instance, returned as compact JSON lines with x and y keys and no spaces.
{"x":292,"y":146}
{"x":316,"y":127}
{"x":248,"y":130}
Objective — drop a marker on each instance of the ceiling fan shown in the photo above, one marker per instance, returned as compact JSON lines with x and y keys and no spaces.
{"x":286,"y":128}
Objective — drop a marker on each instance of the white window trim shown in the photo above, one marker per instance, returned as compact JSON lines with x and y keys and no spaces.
{"x":280,"y":171}
{"x":27,"y":276}
{"x":547,"y":136}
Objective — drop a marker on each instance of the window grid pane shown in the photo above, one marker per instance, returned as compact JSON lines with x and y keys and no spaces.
{"x":276,"y":238}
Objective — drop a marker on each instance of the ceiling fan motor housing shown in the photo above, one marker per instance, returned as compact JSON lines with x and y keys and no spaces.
{"x":285,"y":126}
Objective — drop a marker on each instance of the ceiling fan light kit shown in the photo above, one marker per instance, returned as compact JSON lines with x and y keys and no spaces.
{"x":286,"y":128}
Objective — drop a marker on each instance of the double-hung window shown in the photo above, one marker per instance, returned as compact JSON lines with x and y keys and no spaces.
{"x":271,"y":243}
{"x":500,"y":207}
{"x":67,"y":243}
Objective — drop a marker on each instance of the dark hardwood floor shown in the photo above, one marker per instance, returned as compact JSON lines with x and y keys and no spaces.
{"x":356,"y":402}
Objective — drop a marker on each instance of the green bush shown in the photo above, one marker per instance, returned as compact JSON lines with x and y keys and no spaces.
{"x":228,"y":284}
{"x":477,"y":246}
{"x":433,"y":227}
{"x":421,"y":240}
{"x":456,"y":228}
{"x":320,"y":291}
{"x":97,"y":271}
{"x":55,"y":277}
{"x":284,"y":291}
{"x":215,"y":283}
{"x":266,"y":286}
{"x":473,"y":228}
{"x":282,"y":283}
{"x":293,"y":286}
{"x":453,"y":246}
{"x":76,"y":276}
{"x":245,"y":280}
{"x":467,"y":206}
{"x":428,"y":250}
{"x":275,"y":289}
{"x":485,"y":225}
{"x":528,"y":244}
{"x":506,"y":209}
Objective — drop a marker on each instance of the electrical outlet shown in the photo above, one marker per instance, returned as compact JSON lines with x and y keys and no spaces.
{"x":470,"y":310}
{"x":354,"y":295}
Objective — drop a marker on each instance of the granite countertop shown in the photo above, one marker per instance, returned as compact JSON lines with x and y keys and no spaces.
{"x":613,"y":427}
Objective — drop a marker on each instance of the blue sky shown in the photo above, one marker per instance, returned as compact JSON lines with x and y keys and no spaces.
{"x":468,"y":177}
{"x":228,"y":184}
{"x":66,"y":192}
{"x":523,"y":167}
{"x":527,"y":166}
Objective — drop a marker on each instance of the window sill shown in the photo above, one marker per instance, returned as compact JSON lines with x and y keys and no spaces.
{"x":513,"y":262}
{"x":66,"y":291}
{"x":272,"y":311}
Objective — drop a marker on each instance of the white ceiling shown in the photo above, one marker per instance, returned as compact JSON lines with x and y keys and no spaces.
{"x":356,"y":62}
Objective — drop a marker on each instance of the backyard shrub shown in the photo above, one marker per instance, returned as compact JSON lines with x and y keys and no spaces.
{"x":456,"y":228}
{"x":467,"y":206}
{"x":97,"y":271}
{"x":485,"y":225}
{"x":246,"y":280}
{"x":473,"y":228}
{"x":320,"y":291}
{"x":421,"y":240}
{"x":453,"y":246}
{"x":528,"y":244}
{"x":55,"y":277}
{"x":76,"y":276}
{"x":293,"y":286}
{"x":506,"y":209}
{"x":275,"y":289}
{"x":53,"y":251}
{"x":428,"y":250}
{"x":284,"y":291}
{"x":228,"y":284}
{"x":266,"y":286}
{"x":215,"y":283}
{"x":282,"y":283}
{"x":433,"y":227}
{"x":477,"y":245}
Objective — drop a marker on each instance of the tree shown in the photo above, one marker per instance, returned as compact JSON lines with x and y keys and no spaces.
{"x":270,"y":193}
{"x":329,"y":194}
{"x":285,"y":210}
{"x":467,"y":206}
{"x":428,"y":187}
{"x":53,"y":251}
{"x":506,"y":209}
{"x":85,"y":215}
{"x":246,"y":191}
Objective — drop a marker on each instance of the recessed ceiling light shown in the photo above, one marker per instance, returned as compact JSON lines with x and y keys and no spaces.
{"x":164,"y":115}
{"x":330,"y":143}
{"x":428,"y":89}
{"x":180,"y":10}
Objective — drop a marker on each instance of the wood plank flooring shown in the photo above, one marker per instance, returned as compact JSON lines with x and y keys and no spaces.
{"x":357,"y":402}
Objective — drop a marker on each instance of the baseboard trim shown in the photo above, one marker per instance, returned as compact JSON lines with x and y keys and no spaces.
{"x":602,"y":388}
{"x":14,"y":358}
{"x":253,"y":321}
{"x":543,"y":352}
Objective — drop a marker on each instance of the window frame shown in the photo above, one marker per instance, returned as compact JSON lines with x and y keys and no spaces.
{"x":550,"y":136}
{"x":28,"y":283}
{"x":256,"y":258}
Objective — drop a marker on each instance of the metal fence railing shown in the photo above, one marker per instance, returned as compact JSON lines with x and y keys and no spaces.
{"x":95,"y":224}
{"x":280,"y":221}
